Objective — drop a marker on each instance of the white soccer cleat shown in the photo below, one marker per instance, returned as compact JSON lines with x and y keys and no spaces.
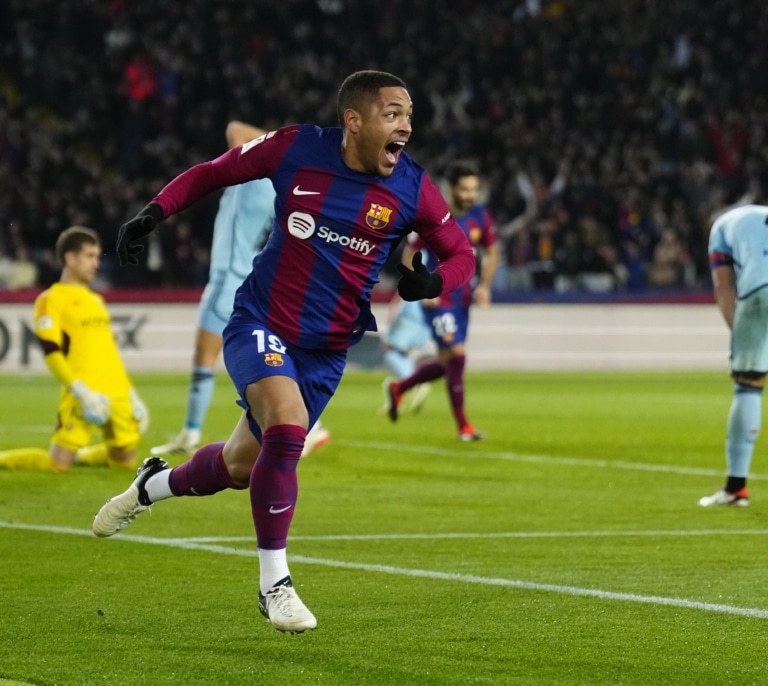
{"x":120,"y":511}
{"x":283,"y":608}
{"x":316,"y":438}
{"x":723,"y":497}
{"x":184,"y":445}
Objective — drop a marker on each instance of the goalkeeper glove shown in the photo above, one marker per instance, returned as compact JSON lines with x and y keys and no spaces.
{"x":418,"y":283}
{"x":94,"y":405}
{"x":134,"y":229}
{"x":140,"y":411}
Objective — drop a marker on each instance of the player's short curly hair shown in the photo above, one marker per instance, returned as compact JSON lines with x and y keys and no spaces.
{"x":360,"y":88}
{"x":73,"y":239}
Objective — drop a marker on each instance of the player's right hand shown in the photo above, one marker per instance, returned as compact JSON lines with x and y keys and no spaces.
{"x":94,"y":405}
{"x":134,"y":229}
{"x":418,"y":283}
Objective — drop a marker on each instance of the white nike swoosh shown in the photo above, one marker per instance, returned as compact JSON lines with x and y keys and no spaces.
{"x":272,"y":509}
{"x":298,"y":191}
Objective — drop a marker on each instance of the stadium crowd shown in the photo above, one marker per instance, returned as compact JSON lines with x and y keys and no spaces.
{"x":609,"y":134}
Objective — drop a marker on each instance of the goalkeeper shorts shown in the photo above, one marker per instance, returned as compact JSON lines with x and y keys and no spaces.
{"x":73,"y":432}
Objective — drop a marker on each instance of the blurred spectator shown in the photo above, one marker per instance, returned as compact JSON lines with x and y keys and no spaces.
{"x":23,"y":271}
{"x":670,"y":265}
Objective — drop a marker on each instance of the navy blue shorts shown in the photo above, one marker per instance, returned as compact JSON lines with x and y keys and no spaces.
{"x":252,"y":352}
{"x":449,"y":325}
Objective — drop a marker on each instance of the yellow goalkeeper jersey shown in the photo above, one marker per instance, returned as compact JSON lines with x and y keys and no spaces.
{"x":74,"y":319}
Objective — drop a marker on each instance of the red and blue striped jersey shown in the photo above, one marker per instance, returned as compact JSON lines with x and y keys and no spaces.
{"x":333,"y":231}
{"x":479,"y":228}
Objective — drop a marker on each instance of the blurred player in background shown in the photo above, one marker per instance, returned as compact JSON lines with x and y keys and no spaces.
{"x":72,"y":325}
{"x":738,"y":245}
{"x":240,"y":231}
{"x":448,"y":314}
{"x":346,"y":197}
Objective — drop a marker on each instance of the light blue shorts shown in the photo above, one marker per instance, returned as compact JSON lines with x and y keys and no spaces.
{"x":409,"y":331}
{"x":218,"y":300}
{"x":749,"y":338}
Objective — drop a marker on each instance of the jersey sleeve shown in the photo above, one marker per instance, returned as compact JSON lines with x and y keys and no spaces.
{"x":52,"y":338}
{"x":444,"y":237}
{"x":256,"y":159}
{"x":48,"y":323}
{"x":720,"y":253}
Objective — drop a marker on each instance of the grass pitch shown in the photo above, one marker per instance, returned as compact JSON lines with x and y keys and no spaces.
{"x":567,"y":548}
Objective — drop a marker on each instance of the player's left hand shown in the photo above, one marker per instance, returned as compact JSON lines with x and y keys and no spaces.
{"x":418,"y":283}
{"x":134,"y":229}
{"x":140,"y":411}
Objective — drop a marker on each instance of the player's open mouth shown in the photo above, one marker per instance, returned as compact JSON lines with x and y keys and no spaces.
{"x":393,"y":151}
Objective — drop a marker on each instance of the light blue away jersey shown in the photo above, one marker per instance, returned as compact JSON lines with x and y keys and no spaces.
{"x":739,"y":238}
{"x":242,"y":226}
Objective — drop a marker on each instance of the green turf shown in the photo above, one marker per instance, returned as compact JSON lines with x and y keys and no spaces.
{"x":566,"y":549}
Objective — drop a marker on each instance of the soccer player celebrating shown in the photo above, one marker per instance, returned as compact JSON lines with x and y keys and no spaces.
{"x":73,"y":327}
{"x":240,"y":231}
{"x":345,"y":198}
{"x":448,"y":314}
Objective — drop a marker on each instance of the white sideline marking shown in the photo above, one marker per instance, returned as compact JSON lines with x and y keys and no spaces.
{"x":541,"y":459}
{"x":422,"y":573}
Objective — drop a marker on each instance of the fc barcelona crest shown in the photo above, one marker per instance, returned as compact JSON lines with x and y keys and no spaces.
{"x":274,"y":359}
{"x":378,"y":216}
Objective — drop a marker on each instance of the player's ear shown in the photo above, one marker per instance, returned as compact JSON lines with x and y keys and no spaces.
{"x":352,"y":120}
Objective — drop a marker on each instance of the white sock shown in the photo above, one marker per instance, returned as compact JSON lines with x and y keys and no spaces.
{"x":157,"y":486}
{"x":273,"y":566}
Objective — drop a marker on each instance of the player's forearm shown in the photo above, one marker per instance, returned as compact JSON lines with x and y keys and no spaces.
{"x":60,"y":368}
{"x":726,"y":301}
{"x":457,"y":260}
{"x":724,"y":283}
{"x":490,"y":265}
{"x":457,"y":269}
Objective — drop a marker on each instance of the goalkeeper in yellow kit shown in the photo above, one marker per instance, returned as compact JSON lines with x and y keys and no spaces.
{"x":72,"y":325}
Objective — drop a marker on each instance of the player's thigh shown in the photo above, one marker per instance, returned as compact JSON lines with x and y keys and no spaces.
{"x":72,"y":431}
{"x":749,"y":336}
{"x":121,"y":430}
{"x":276,"y":399}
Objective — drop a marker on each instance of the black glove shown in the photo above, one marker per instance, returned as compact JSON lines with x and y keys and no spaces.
{"x":419,"y":283}
{"x":134,"y":229}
